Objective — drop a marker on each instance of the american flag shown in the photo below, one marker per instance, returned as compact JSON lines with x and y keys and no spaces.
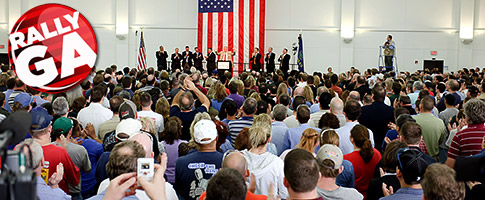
{"x":237,"y":24}
{"x":142,"y":57}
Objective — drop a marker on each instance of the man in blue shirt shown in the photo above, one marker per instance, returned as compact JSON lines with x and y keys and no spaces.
{"x":410,"y":171}
{"x":193,"y":171}
{"x":50,"y":190}
{"x":278,"y":128}
{"x":293,"y":135}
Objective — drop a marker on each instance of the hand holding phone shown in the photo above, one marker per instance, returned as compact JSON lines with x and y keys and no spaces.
{"x":145,"y":168}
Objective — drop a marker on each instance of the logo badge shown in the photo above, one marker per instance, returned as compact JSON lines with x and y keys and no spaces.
{"x":52,"y":48}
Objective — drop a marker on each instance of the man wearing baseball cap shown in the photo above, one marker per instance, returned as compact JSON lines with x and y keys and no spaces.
{"x":193,"y":171}
{"x":22,"y":101}
{"x":54,"y":156}
{"x":62,"y":131}
{"x":330,"y":159}
{"x":410,"y":172}
{"x":126,"y":129}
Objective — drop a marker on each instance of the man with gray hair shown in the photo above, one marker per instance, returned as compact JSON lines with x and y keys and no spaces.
{"x":354,"y":95}
{"x":337,"y":108}
{"x":60,"y":106}
{"x":417,"y":87}
{"x":468,"y":141}
{"x":50,"y":190}
{"x":316,"y":107}
{"x":452,"y":87}
{"x":183,"y":106}
{"x":249,"y":109}
{"x":278,"y":127}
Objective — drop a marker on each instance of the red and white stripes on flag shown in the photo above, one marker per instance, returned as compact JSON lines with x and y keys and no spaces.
{"x":243,"y":29}
{"x":141,"y":62}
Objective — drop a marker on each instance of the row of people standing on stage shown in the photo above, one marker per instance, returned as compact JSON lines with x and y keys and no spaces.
{"x":188,"y":59}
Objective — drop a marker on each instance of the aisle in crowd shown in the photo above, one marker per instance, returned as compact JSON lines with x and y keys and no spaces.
{"x":258,"y":135}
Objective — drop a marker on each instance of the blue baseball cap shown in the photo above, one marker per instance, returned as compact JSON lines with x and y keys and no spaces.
{"x":23,"y":98}
{"x":40,"y":118}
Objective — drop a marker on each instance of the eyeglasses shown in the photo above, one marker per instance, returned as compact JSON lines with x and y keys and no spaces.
{"x":148,"y":134}
{"x":324,"y":131}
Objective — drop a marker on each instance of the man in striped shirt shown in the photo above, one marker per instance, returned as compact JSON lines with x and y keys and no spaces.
{"x":469,"y":141}
{"x":235,"y":126}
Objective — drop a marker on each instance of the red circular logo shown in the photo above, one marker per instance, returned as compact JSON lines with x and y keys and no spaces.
{"x":52,"y":48}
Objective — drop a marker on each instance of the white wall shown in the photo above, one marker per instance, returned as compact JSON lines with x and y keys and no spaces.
{"x":418,"y":27}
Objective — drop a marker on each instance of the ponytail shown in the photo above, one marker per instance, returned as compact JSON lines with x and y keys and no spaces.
{"x":366,"y":151}
{"x":360,"y":134}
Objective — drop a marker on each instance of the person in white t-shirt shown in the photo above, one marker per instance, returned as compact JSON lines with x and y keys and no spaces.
{"x":146,"y":111}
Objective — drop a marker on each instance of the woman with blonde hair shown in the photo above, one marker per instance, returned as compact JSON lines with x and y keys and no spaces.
{"x":308,"y":94}
{"x":219,"y":96}
{"x":208,"y":83}
{"x":148,"y":125}
{"x":282,"y":89}
{"x":316,"y":80}
{"x":240,"y":87}
{"x":346,"y":178}
{"x":256,"y":96}
{"x":309,"y":141}
{"x":266,"y":121}
{"x":266,"y":167}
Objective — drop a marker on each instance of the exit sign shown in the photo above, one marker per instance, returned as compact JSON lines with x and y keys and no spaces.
{"x":434,"y":53}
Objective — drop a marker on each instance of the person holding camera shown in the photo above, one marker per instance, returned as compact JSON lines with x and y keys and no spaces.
{"x":389,"y":47}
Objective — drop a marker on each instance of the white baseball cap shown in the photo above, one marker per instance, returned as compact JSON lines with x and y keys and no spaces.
{"x":127,"y":128}
{"x":205,"y":131}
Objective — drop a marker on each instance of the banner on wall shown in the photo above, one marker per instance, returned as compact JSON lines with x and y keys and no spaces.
{"x":237,"y":24}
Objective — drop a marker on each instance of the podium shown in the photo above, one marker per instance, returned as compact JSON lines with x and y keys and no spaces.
{"x":224,"y":65}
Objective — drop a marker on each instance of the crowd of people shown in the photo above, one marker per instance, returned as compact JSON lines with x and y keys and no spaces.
{"x":258,"y":135}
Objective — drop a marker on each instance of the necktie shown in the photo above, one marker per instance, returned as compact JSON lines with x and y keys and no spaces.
{"x":225,"y":56}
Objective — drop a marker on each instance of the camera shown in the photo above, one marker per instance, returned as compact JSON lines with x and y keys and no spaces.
{"x":145,"y":168}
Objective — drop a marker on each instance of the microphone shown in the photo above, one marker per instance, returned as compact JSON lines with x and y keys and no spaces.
{"x":15,"y":127}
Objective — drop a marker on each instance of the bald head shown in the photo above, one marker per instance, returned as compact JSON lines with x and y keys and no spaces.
{"x":298,"y":91}
{"x":336,"y":105}
{"x":236,"y":160}
{"x":146,"y":142}
{"x":354,"y":95}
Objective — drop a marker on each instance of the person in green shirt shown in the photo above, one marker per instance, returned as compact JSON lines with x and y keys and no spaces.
{"x":434,"y":130}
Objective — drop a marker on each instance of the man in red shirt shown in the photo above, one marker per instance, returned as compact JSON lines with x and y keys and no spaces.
{"x":53,"y":155}
{"x":469,"y":141}
{"x":335,"y":87}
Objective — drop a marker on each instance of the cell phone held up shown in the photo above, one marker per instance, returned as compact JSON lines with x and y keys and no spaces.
{"x":145,"y":168}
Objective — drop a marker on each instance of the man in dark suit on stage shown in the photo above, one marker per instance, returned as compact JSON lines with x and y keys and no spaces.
{"x":187,"y":59}
{"x":256,"y":60}
{"x":269,"y":59}
{"x":211,"y":61}
{"x":198,"y":58}
{"x":176,"y":57}
{"x":285,"y":62}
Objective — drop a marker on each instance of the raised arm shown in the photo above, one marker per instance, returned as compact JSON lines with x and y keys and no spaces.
{"x":203,"y":99}
{"x":175,"y":101}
